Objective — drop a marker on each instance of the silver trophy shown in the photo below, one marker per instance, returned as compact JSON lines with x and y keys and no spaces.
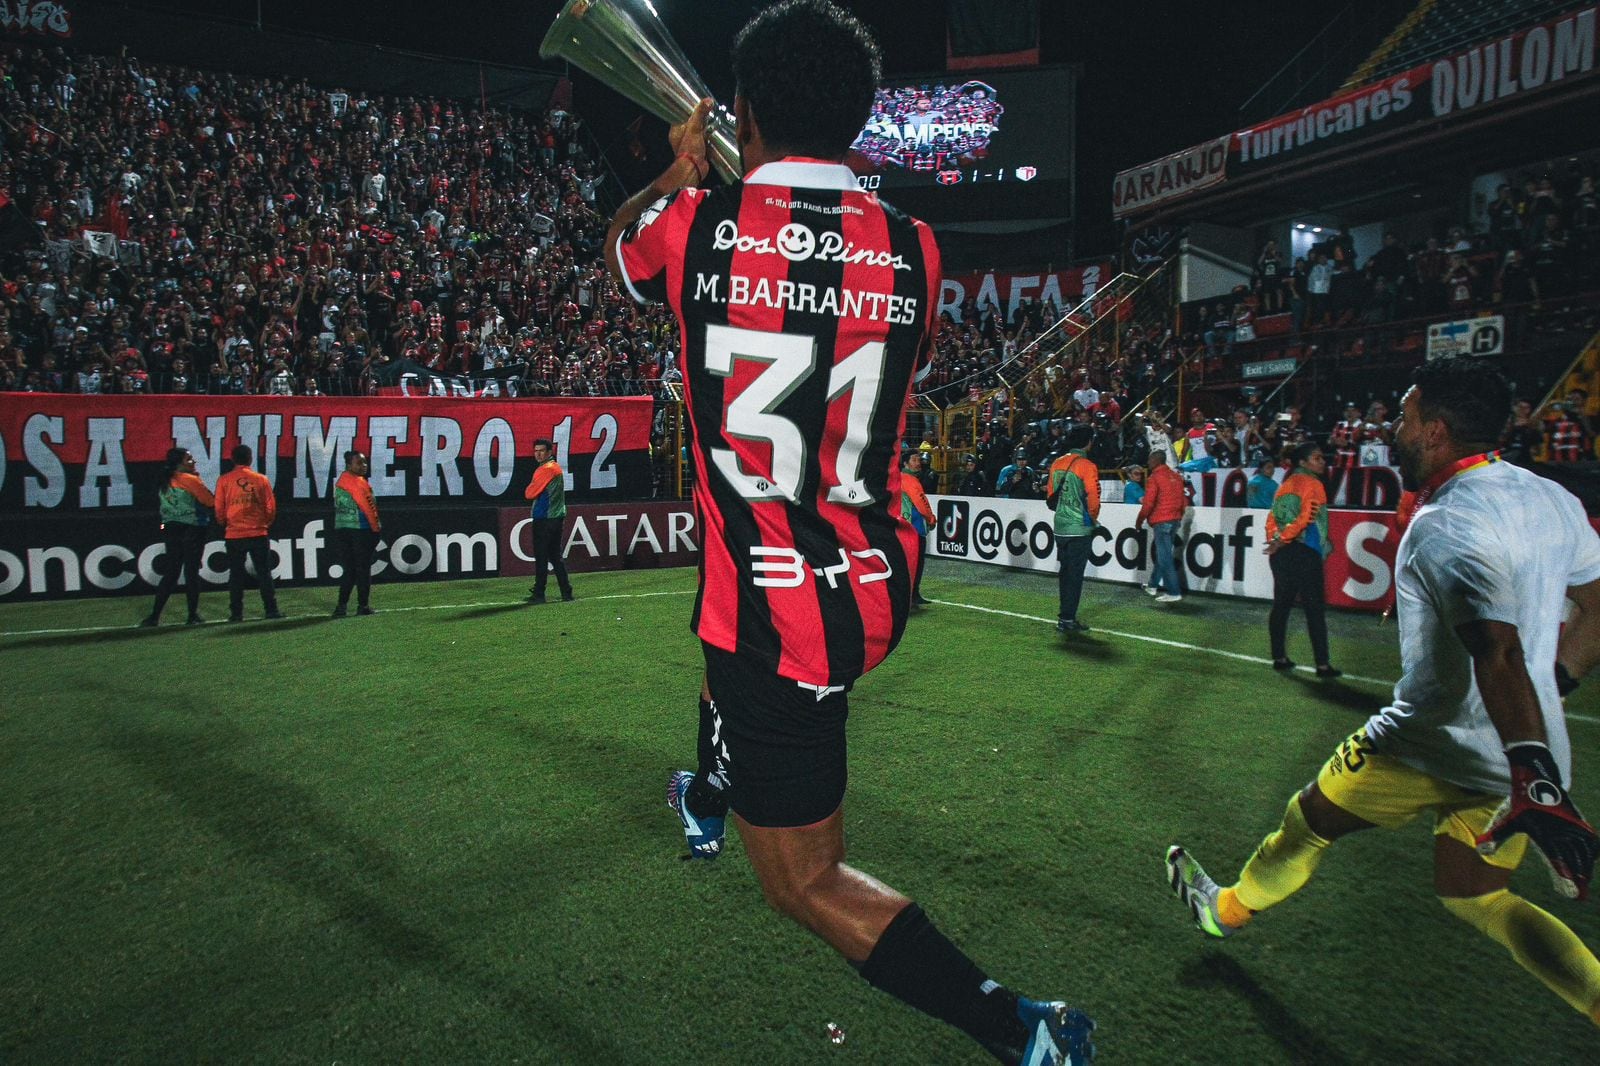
{"x":624,"y":44}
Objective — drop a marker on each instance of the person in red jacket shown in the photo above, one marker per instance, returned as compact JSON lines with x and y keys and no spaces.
{"x":1165,"y":500}
{"x":246,"y":509}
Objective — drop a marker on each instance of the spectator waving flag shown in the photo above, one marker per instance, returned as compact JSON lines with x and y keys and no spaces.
{"x":100,"y":242}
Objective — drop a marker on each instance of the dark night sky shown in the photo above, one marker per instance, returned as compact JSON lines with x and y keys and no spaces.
{"x":1156,"y":77}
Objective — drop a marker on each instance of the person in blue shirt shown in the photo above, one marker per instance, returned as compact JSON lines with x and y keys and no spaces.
{"x":1133,"y":484}
{"x":1263,"y":486}
{"x":1016,"y":480}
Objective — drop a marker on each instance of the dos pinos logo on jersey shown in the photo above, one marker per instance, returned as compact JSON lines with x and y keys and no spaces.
{"x":796,"y":242}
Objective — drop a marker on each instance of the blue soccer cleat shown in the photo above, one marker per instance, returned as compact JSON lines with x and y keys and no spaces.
{"x":1058,"y":1035}
{"x":703,"y":834}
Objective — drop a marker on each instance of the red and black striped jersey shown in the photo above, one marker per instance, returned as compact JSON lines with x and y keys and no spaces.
{"x":806,"y":308}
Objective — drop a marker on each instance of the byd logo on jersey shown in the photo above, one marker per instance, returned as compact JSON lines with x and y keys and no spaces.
{"x":785,"y":568}
{"x":952,"y":521}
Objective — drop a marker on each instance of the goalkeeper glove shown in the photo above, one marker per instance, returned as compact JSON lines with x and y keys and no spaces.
{"x":1541,"y":808}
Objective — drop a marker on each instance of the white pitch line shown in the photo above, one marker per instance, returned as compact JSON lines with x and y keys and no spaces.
{"x":1146,"y":638}
{"x":386,"y":610}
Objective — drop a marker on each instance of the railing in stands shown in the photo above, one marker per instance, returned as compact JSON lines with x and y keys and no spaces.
{"x":1582,"y":373}
{"x":1094,"y":332}
{"x":1397,"y":37}
{"x":1316,"y":70}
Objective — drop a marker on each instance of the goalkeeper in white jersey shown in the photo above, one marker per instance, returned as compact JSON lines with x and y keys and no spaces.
{"x":1475,"y":736}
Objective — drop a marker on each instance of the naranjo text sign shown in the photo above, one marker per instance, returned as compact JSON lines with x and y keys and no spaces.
{"x":1170,"y":177}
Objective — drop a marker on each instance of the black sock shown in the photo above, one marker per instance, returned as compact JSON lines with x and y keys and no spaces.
{"x":705,"y":798}
{"x":918,"y":965}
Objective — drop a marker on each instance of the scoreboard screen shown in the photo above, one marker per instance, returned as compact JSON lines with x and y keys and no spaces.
{"x":963,"y":129}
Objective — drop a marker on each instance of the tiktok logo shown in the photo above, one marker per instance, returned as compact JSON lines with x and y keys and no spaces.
{"x":952,"y":519}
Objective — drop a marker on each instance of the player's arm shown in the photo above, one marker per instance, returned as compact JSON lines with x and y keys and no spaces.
{"x":1503,"y":680}
{"x":1579,"y":649}
{"x":688,"y":140}
{"x":1539,"y":804}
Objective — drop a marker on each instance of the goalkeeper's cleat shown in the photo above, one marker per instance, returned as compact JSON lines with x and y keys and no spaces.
{"x":1197,"y":892}
{"x":1058,"y":1035}
{"x":704,"y":835}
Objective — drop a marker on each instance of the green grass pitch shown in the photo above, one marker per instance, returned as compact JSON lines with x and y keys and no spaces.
{"x":438,"y":835}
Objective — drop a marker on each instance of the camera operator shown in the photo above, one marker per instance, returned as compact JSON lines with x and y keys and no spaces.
{"x":1105,"y":447}
{"x":1016,"y":481}
{"x":973,"y":483}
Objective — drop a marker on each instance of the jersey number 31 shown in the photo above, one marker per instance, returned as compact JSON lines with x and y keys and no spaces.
{"x":752,"y":416}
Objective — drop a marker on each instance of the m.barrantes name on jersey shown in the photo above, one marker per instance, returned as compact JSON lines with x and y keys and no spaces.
{"x":796,"y":242}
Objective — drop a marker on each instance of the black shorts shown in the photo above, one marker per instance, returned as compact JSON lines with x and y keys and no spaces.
{"x":783,"y":748}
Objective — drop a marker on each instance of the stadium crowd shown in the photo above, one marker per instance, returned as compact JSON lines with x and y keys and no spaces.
{"x":178,"y":231}
{"x":1538,"y":240}
{"x":1015,"y":465}
{"x":1536,"y":249}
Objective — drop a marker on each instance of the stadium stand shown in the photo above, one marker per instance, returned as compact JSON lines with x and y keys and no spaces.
{"x":1439,"y":27}
{"x":1127,"y":351}
{"x":1327,"y":258}
{"x":189,"y":231}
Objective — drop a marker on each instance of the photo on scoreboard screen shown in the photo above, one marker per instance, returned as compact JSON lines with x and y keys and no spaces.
{"x":962,"y":129}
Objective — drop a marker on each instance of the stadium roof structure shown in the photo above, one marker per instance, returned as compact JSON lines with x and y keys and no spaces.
{"x":1380,"y":147}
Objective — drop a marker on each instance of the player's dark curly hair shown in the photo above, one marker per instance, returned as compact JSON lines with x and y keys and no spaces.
{"x":1469,"y":395}
{"x":808,"y":70}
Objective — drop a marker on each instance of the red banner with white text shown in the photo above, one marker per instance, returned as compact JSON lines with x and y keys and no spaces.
{"x":1009,"y":290}
{"x":97,"y":453}
{"x":1539,"y":58}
